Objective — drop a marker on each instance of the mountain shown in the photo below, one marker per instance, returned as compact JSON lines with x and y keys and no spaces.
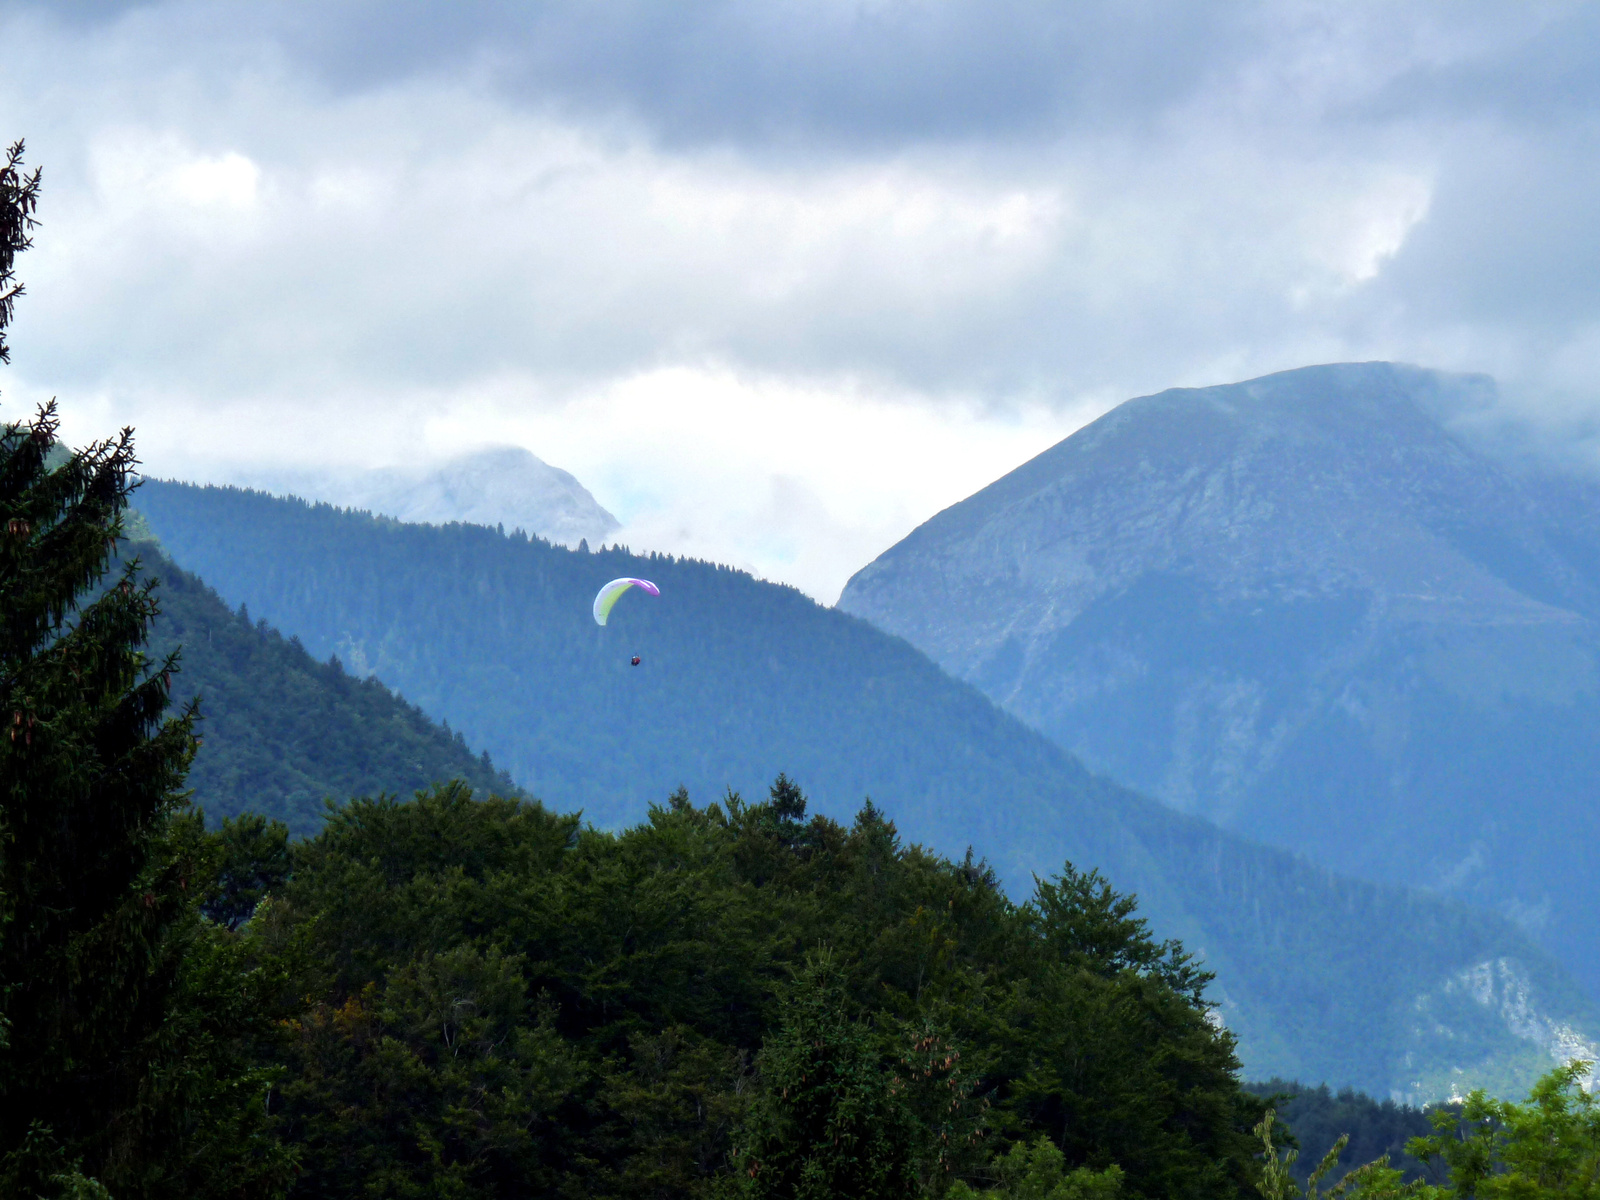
{"x":282,"y":732}
{"x":1321,"y":977}
{"x":1306,"y":609}
{"x":499,"y":485}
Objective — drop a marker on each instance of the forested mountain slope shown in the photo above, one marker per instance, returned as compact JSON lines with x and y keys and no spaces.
{"x":1304,"y":608}
{"x":1321,"y":977}
{"x":282,"y":732}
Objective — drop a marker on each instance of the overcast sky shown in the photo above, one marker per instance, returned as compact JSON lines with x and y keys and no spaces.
{"x":778,"y":281}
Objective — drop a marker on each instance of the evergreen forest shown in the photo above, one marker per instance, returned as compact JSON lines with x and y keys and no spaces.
{"x":284,"y":731}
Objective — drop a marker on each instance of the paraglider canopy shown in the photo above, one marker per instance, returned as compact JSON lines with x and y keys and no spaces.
{"x":607,"y":596}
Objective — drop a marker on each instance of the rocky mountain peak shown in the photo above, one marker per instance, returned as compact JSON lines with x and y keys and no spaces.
{"x":1304,"y":607}
{"x":1322,"y":482}
{"x":498,"y":485}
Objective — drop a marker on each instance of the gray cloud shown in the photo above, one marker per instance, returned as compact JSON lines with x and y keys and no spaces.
{"x":846,"y":74}
{"x":402,"y":221}
{"x":857,"y":74}
{"x":1511,"y":236}
{"x":1529,"y":65}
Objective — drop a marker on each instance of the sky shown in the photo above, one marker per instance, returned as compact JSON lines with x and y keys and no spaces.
{"x":778,"y":281}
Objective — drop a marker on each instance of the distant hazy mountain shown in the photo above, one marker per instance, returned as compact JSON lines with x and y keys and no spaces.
{"x":1323,"y":978}
{"x":1303,"y":608}
{"x":281,"y":732}
{"x":502,"y":485}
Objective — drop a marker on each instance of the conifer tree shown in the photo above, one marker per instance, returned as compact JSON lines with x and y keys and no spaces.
{"x":100,"y":867}
{"x":19,"y":199}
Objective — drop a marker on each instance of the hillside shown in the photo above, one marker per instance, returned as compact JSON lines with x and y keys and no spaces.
{"x":1305,"y":609}
{"x":1323,"y":979}
{"x":282,"y":732}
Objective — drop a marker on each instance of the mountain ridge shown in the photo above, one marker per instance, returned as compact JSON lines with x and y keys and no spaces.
{"x":1304,"y":607}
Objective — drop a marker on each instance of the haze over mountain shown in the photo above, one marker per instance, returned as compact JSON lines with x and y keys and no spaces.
{"x":1304,"y":608}
{"x":498,"y":485}
{"x":1323,"y":978}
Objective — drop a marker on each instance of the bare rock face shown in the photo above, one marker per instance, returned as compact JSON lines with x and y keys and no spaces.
{"x":1306,"y":609}
{"x":501,"y":485}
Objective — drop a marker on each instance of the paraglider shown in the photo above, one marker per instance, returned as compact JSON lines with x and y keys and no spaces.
{"x":634,"y":660}
{"x":607,"y":596}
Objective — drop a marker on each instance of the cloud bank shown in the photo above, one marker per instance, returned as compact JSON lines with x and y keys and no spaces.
{"x":778,"y":281}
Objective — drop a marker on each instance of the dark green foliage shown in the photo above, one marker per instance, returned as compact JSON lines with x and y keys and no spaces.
{"x":1093,"y":928}
{"x":677,"y":1098}
{"x":281,"y":733}
{"x":1038,"y":1171}
{"x":742,"y":679}
{"x":19,"y":198}
{"x":828,"y":1120}
{"x":1477,"y":1149}
{"x":1501,"y":1150}
{"x":505,"y":1003}
{"x":936,"y":1084}
{"x":253,"y":855}
{"x":89,"y":892}
{"x":129,"y":1025}
{"x":1133,"y":1073}
{"x":1318,"y":1117}
{"x":444,"y":1081}
{"x":203,"y":1110}
{"x":132,"y":1032}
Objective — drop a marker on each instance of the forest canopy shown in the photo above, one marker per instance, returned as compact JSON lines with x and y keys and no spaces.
{"x":713,"y":995}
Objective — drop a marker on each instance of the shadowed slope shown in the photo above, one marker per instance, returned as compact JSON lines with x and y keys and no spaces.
{"x":282,"y":732}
